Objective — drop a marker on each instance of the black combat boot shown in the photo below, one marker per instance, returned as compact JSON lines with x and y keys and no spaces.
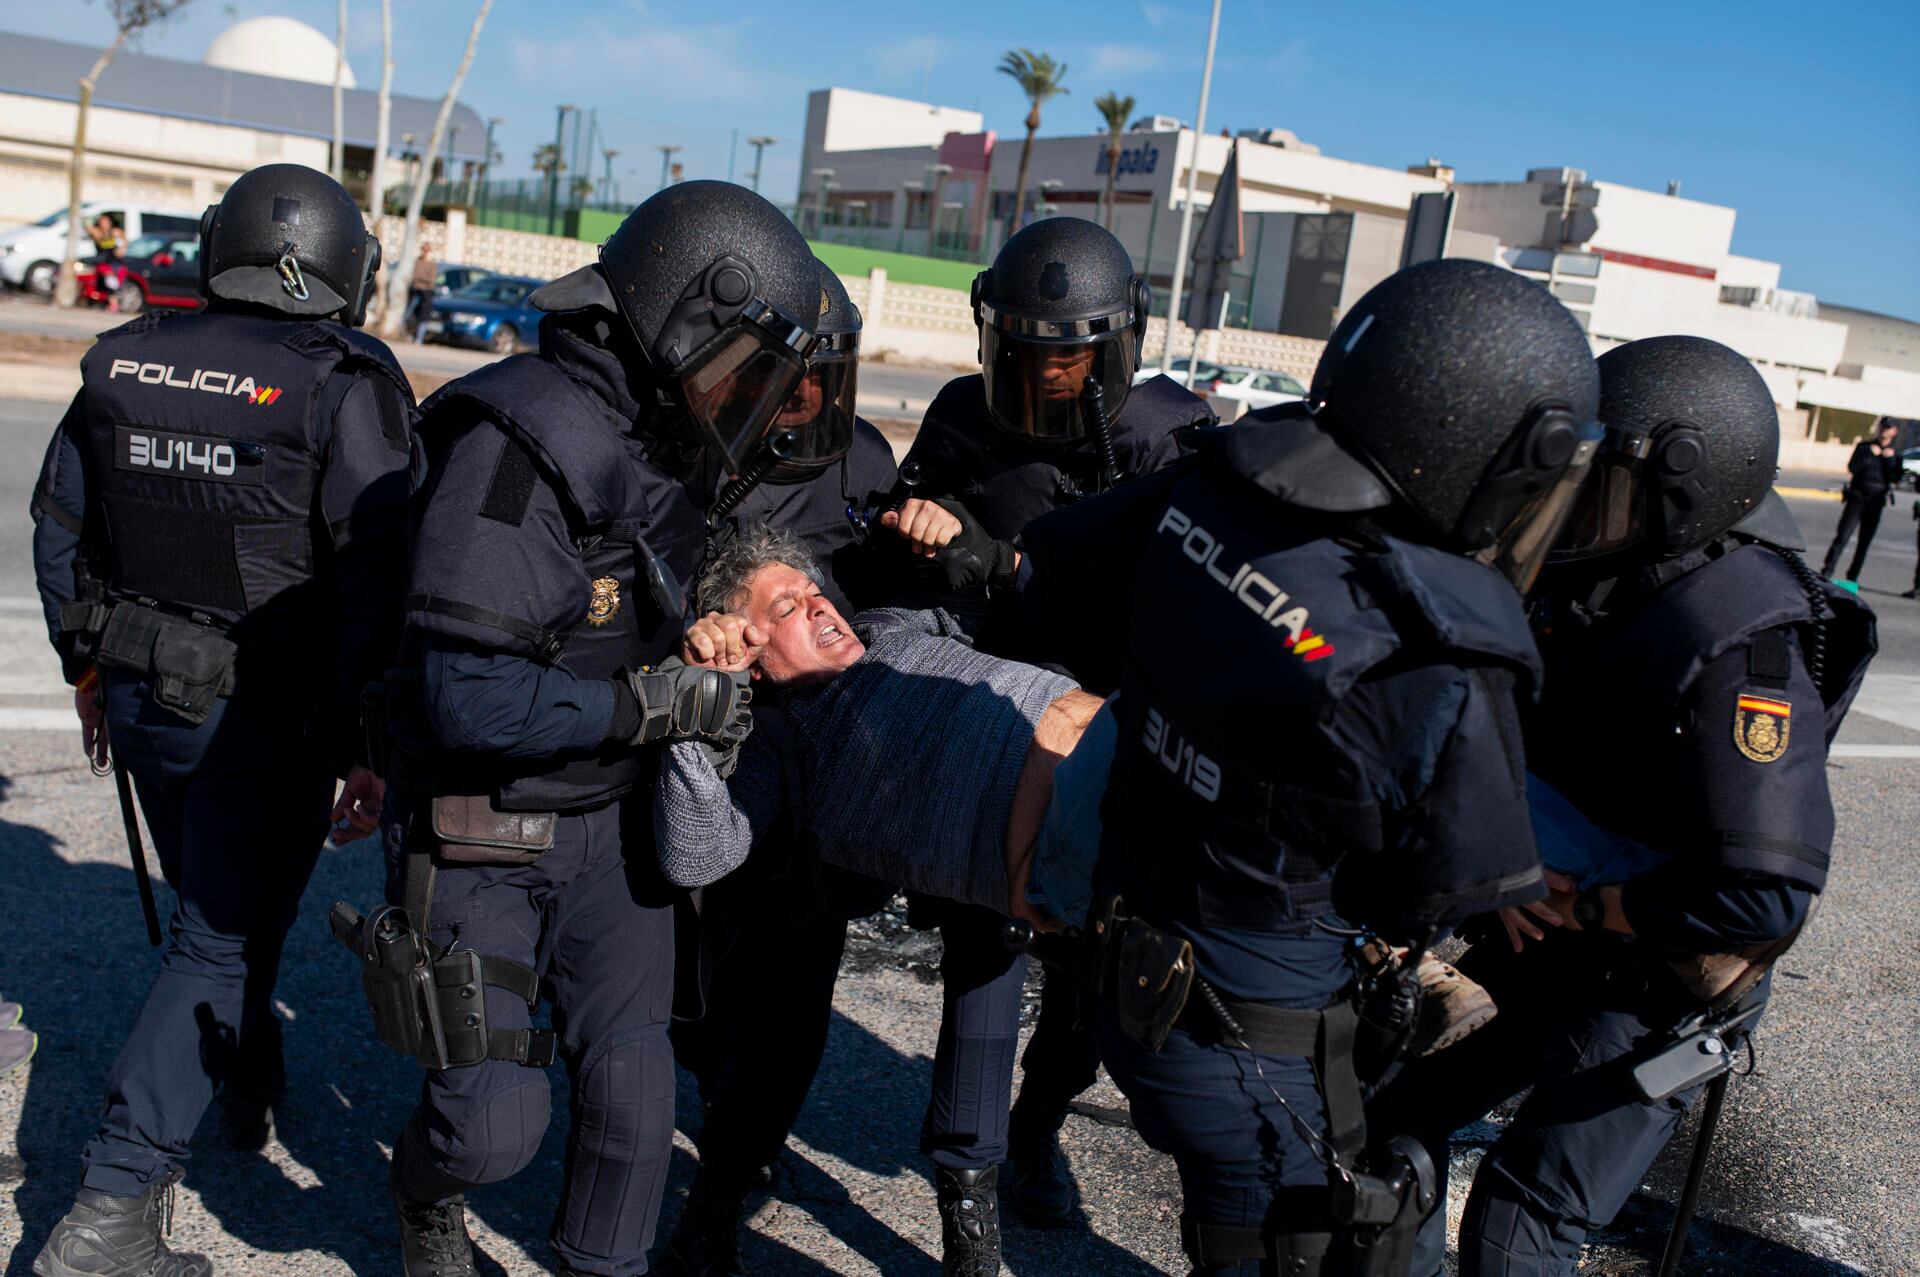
{"x":969,"y":1221}
{"x":254,"y":1088}
{"x":706,"y":1241}
{"x":1038,"y":1190}
{"x":433,"y":1235}
{"x":106,"y":1236}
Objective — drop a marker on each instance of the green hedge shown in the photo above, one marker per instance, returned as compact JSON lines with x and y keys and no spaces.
{"x":905,"y":268}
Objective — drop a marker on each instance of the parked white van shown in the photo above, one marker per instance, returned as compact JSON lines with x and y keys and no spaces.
{"x":30,"y":255}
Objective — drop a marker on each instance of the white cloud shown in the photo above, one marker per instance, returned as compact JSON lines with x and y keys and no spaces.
{"x":661,"y":60}
{"x":1158,"y":15}
{"x":906,"y":60}
{"x":1123,"y":58}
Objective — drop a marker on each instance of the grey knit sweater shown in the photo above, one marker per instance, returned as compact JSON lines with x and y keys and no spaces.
{"x":902,"y":767}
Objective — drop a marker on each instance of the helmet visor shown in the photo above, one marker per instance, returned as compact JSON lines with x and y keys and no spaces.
{"x":1035,"y":387}
{"x":819,"y":414}
{"x":1610,"y":514}
{"x":735,"y":385}
{"x":1522,"y":547}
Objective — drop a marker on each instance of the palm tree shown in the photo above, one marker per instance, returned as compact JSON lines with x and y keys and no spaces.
{"x":547,"y":161}
{"x":1040,"y":78}
{"x":1114,"y":109}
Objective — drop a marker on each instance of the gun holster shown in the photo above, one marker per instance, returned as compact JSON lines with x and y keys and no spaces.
{"x":1379,"y":1210}
{"x":434,"y":1007}
{"x":1145,"y":974}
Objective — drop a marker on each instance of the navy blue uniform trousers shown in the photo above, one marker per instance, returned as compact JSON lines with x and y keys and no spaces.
{"x":1211,"y":1107}
{"x":237,"y":808}
{"x":1573,"y":1009}
{"x":598,"y":926}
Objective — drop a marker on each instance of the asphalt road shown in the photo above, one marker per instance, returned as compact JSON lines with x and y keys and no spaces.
{"x":1814,"y":1172}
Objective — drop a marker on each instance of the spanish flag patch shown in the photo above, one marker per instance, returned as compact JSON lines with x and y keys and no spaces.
{"x":1761,"y":726}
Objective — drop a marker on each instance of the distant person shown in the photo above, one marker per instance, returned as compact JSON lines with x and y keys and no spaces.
{"x":1914,"y":593}
{"x":1874,"y":471}
{"x":420,"y":292}
{"x":108,"y":250}
{"x":16,"y":1043}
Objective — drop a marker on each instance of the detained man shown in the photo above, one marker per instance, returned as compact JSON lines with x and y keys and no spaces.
{"x":905,"y":753}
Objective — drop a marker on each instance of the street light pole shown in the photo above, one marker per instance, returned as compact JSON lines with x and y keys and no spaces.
{"x":667,"y":151}
{"x":1186,"y":213}
{"x":759,"y":144}
{"x":823,"y":177}
{"x":938,"y":172}
{"x":553,"y":173}
{"x":606,"y":192}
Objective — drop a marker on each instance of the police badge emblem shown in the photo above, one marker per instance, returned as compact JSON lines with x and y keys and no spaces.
{"x":1761,"y":726}
{"x":605,"y":601}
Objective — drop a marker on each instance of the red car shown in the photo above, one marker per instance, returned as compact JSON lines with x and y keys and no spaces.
{"x":158,"y":270}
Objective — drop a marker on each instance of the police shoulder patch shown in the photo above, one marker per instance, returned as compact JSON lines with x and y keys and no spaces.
{"x":1761,"y":726}
{"x":605,"y":601}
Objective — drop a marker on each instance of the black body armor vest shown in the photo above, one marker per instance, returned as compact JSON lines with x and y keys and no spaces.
{"x":1238,"y":788}
{"x":202,"y":440}
{"x":1616,"y":687}
{"x":1006,"y":484}
{"x":615,"y":502}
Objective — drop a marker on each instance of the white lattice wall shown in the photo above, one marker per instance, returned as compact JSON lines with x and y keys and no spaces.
{"x":489,"y":247}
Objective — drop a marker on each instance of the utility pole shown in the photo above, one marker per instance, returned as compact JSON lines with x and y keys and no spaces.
{"x":1186,"y":213}
{"x":486,"y":161}
{"x":606,"y":192}
{"x":907,"y":188}
{"x":553,"y":174}
{"x":937,"y":174}
{"x":824,"y":176}
{"x":667,"y":150}
{"x":446,"y":167}
{"x":759,"y":144}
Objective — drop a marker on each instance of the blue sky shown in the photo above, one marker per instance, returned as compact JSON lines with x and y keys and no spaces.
{"x":1806,"y":118}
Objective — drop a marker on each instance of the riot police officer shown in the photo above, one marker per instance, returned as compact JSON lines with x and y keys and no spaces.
{"x":221,"y":519}
{"x":563,"y":503}
{"x":1696,"y":670}
{"x":1053,"y":416}
{"x":1320,"y":645}
{"x":825,"y":475}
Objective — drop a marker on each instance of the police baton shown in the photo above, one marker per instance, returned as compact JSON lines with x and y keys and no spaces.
{"x":1696,"y":1174}
{"x":138,"y":850}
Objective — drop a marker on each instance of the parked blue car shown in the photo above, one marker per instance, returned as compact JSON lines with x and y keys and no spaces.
{"x":491,"y":313}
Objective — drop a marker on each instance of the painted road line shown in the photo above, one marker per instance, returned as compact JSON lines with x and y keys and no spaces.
{"x":1874,"y":751}
{"x":1892,"y":698}
{"x":1810,"y":494}
{"x":37,"y":720}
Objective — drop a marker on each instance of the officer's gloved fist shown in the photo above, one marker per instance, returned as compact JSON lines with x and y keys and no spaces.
{"x":971,"y":558}
{"x":682,"y":702}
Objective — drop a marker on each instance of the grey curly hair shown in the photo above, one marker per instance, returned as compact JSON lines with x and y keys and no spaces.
{"x":723,"y":582}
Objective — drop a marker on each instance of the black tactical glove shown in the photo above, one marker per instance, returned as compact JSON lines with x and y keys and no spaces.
{"x":683,"y":702}
{"x":973,"y":558}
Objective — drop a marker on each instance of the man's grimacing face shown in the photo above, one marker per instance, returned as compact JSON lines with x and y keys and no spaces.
{"x":808,"y":640}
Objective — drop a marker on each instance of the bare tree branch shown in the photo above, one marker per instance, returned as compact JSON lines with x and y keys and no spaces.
{"x":397,"y":282}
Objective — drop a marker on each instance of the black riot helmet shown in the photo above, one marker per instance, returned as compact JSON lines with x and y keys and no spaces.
{"x":723,"y":297}
{"x":289,"y":238}
{"x":1692,"y":443}
{"x":817,"y":419}
{"x":1467,"y":395}
{"x":1060,"y":304}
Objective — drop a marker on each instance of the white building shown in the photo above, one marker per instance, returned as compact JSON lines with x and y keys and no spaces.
{"x":174,"y":134}
{"x":1631,"y":263}
{"x":896,"y":174}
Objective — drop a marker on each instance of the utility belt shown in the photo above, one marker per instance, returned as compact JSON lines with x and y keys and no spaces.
{"x":1375,"y":1200}
{"x":189,"y":660}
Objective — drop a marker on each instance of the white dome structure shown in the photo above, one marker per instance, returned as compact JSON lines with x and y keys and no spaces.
{"x":280,"y":47}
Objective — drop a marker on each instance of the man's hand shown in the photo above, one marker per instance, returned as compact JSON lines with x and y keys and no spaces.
{"x":722,"y":641}
{"x":925,"y":525}
{"x":1523,"y":922}
{"x":93,"y":722}
{"x":356,"y":813}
